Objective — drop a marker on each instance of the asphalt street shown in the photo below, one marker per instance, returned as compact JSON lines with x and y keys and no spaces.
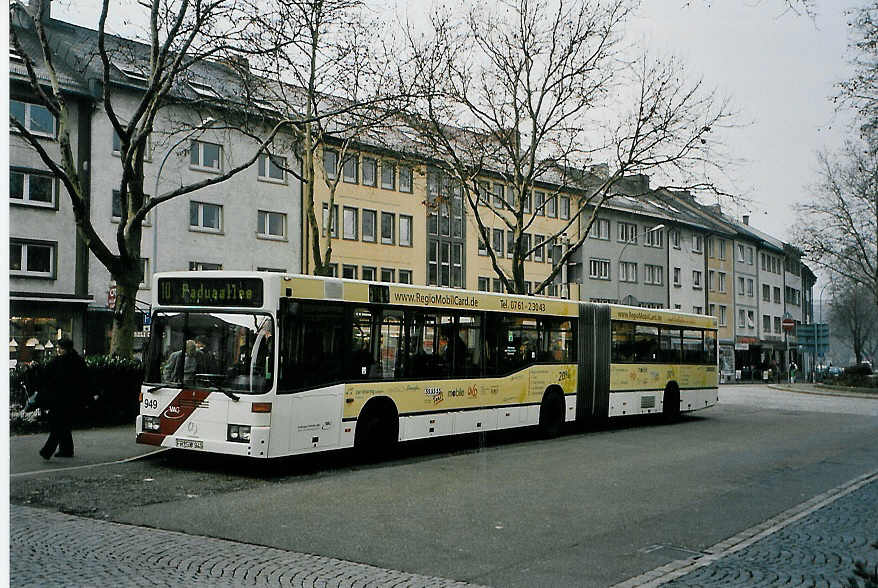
{"x":588,"y":509}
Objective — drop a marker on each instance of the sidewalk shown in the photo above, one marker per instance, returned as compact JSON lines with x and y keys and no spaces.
{"x":822,"y":390}
{"x":91,"y":447}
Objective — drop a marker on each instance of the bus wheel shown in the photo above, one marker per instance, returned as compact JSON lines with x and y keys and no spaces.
{"x":377,"y":430}
{"x":551,"y":414}
{"x":671,"y":403}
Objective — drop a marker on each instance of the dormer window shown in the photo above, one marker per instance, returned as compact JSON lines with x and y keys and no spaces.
{"x":134,"y":75}
{"x":204,"y":90}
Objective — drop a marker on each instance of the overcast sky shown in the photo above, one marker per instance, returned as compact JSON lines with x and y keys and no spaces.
{"x":779,"y":68}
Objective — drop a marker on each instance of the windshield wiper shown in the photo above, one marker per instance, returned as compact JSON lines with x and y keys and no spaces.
{"x":231,"y":395}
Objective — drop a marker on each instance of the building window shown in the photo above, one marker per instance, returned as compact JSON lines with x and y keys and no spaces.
{"x":32,"y":258}
{"x":333,"y":270}
{"x":722,"y":248}
{"x":498,"y":196}
{"x":711,"y":280}
{"x":330,"y":163}
{"x":271,"y":168}
{"x":565,"y":207}
{"x":697,"y":244}
{"x":350,"y":222}
{"x":711,"y":247}
{"x":750,"y":323}
{"x":740,"y":286}
{"x":457,"y":265}
{"x":350,"y":172}
{"x":674,"y":237}
{"x":405,"y":276}
{"x":33,"y":188}
{"x":654,"y":238}
{"x":696,"y":279}
{"x":510,"y":244}
{"x":34,"y":117}
{"x":405,"y":230}
{"x":777,"y":325}
{"x":652,"y":274}
{"x":740,"y":253}
{"x":406,"y":184}
{"x":331,"y":222}
{"x":528,"y":202}
{"x":272,"y":225}
{"x":697,"y":309}
{"x":600,"y":229}
{"x":349,"y":271}
{"x":201,"y":266}
{"x":627,"y":271}
{"x":677,"y":273}
{"x":599,"y":269}
{"x":484,"y":284}
{"x":627,"y":232}
{"x":388,"y":176}
{"x":722,"y":315}
{"x":496,"y":285}
{"x":552,"y":206}
{"x":483,"y":249}
{"x":750,"y":288}
{"x":370,"y":218}
{"x":205,"y":217}
{"x":722,"y":281}
{"x":205,"y":156}
{"x":483,"y":193}
{"x":433,"y":262}
{"x":497,"y":242}
{"x":539,"y":250}
{"x":540,"y":203}
{"x":749,"y":255}
{"x":776,"y":292}
{"x":387,"y":274}
{"x":766,"y":323}
{"x":370,"y":170}
{"x":766,"y":293}
{"x":369,"y":273}
{"x":276,"y":270}
{"x":388,"y":219}
{"x":711,"y":309}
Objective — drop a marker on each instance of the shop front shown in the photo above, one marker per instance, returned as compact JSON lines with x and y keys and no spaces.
{"x":38,"y":321}
{"x":748,"y":359}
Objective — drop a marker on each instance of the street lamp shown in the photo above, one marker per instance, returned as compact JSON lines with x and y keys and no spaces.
{"x":155,"y":215}
{"x":621,"y":253}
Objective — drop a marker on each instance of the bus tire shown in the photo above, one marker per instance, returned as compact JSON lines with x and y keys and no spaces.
{"x":551,"y":414}
{"x":377,"y":429}
{"x":671,"y":403}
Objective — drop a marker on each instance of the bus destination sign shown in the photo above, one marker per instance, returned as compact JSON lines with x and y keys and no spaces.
{"x":210,"y":292}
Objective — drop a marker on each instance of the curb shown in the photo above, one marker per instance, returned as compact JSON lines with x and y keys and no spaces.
{"x":826,"y":392}
{"x":678,"y":568}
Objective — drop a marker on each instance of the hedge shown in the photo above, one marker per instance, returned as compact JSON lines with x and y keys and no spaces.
{"x":111,"y":398}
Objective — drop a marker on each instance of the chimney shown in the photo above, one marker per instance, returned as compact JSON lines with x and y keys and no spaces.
{"x":746,"y":219}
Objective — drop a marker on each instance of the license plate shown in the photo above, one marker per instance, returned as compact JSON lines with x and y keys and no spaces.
{"x":189,"y":444}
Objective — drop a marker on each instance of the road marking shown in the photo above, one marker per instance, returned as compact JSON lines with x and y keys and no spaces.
{"x":678,"y":568}
{"x":89,"y":465}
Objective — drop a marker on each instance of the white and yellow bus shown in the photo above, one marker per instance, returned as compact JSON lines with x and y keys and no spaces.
{"x":270,"y":365}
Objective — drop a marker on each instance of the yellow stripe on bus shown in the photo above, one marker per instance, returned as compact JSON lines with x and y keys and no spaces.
{"x":524,"y":387}
{"x":627,"y":377}
{"x":649,"y":315}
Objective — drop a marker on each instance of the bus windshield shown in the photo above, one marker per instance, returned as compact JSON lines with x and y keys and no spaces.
{"x":227,"y":351}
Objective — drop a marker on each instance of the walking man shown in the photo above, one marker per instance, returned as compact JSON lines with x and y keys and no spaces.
{"x":64,"y":384}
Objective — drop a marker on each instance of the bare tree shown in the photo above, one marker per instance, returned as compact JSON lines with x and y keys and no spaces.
{"x":182,"y":36}
{"x":853,"y":315}
{"x":860,"y":92}
{"x":838,"y":227}
{"x":524,"y":92}
{"x":342,"y":80}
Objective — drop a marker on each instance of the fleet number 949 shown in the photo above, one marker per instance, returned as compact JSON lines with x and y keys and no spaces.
{"x":150,"y":403}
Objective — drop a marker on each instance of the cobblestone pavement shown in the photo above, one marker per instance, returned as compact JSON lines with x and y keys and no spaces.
{"x":49,"y":548}
{"x":819,"y":549}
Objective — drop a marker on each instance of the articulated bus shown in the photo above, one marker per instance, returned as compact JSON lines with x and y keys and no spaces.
{"x":269,"y":365}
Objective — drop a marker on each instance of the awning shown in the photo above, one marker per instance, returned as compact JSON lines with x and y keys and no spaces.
{"x":49,"y":297}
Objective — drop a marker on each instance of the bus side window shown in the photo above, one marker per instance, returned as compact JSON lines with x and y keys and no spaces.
{"x":693,"y":346}
{"x":623,"y":342}
{"x":670,"y":345}
{"x":361,"y":359}
{"x":468,"y":347}
{"x":390,"y":345}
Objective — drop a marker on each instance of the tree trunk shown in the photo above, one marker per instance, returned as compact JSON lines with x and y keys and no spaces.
{"x":122,"y":338}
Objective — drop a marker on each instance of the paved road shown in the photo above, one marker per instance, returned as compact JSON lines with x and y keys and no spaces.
{"x":588,"y":509}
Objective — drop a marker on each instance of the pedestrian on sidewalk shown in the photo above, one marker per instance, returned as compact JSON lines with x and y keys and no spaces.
{"x":793,"y":368}
{"x":62,"y":388}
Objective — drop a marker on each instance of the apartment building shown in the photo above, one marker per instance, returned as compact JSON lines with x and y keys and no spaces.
{"x":250,"y":221}
{"x":48,"y":270}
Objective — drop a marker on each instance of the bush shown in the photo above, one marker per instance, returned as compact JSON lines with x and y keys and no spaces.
{"x":110,"y":397}
{"x":861,"y":369}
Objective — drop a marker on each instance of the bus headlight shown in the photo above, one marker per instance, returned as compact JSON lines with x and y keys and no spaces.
{"x":151,"y":423}
{"x":239,"y":433}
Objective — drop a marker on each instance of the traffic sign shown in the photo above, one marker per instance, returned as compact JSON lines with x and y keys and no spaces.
{"x":788,"y":324}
